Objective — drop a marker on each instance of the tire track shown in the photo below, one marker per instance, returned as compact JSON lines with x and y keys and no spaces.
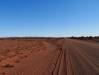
{"x":60,"y":68}
{"x":69,"y":64}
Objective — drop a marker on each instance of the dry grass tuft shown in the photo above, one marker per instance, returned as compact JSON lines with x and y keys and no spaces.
{"x":8,"y":65}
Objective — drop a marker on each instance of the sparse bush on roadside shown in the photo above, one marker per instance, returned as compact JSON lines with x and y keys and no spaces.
{"x":8,"y":66}
{"x":25,"y":56}
{"x":17,"y":61}
{"x":3,"y":73}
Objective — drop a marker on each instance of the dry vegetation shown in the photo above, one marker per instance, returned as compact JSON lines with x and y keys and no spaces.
{"x":88,"y":38}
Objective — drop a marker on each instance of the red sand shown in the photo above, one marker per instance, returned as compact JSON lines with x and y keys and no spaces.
{"x":48,"y":57}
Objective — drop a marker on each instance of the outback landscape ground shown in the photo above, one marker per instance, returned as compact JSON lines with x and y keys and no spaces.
{"x":48,"y":56}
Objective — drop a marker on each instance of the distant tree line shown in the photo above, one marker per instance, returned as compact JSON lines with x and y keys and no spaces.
{"x":85,"y":37}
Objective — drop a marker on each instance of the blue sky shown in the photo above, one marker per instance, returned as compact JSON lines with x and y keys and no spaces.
{"x":49,"y":17}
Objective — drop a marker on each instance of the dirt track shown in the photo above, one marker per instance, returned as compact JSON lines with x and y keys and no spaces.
{"x":56,"y":57}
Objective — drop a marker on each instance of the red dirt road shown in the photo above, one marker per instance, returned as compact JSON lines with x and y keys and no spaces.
{"x":49,"y":57}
